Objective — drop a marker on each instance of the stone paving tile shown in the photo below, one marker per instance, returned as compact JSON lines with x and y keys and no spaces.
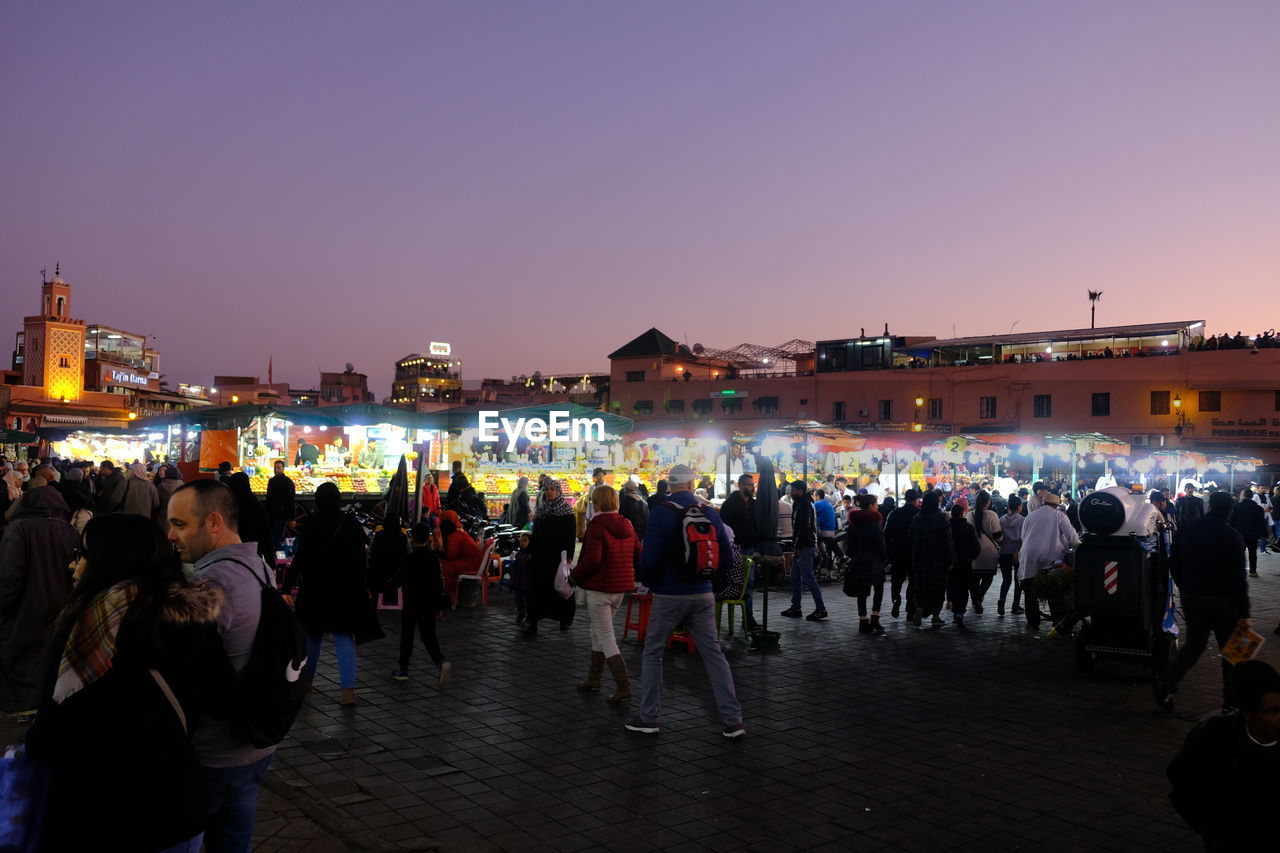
{"x":917,"y":739}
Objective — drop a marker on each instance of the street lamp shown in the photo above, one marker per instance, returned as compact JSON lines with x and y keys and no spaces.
{"x":1182,"y":425}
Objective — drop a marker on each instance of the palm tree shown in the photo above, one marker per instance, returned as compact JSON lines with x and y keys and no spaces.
{"x":1094,"y":296}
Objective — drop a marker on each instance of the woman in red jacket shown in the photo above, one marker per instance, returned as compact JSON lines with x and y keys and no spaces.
{"x":605,"y":571}
{"x":459,"y":554}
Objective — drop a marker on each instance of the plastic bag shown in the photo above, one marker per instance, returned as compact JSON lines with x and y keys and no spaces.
{"x":564,"y":585}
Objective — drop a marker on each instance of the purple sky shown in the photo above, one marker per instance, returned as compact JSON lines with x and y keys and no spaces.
{"x":539,"y":182}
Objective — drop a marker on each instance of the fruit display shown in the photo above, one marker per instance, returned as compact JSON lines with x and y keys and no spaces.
{"x":359,"y":482}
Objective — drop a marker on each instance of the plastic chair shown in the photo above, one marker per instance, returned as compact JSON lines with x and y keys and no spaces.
{"x":641,"y":603}
{"x":679,"y":636}
{"x":740,"y":601}
{"x":480,"y":575}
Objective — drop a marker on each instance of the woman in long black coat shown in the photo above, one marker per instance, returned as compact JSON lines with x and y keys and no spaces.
{"x":330,"y":566}
{"x":554,"y":531}
{"x":967,"y":550}
{"x":933,"y":551}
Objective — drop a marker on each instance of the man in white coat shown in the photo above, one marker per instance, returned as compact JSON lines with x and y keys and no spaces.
{"x":1046,"y":536}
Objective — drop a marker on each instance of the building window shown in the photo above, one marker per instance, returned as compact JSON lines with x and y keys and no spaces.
{"x":935,"y":408}
{"x":63,"y":362}
{"x":1159,"y":402}
{"x":871,"y":357}
{"x":837,"y":409}
{"x":986,"y":407}
{"x":1043,"y":405}
{"x":635,"y":375}
{"x":1211,"y":401}
{"x":1102,"y":405}
{"x":674,"y":406}
{"x":884,"y":410}
{"x":1278,"y":401}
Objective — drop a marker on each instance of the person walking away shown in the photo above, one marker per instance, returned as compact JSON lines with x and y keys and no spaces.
{"x":987,"y":524}
{"x":165,"y":488}
{"x":933,"y":552}
{"x":422,"y":590}
{"x":75,"y":491}
{"x":554,"y":534}
{"x":34,"y":584}
{"x":868,"y":556}
{"x":805,"y":534}
{"x":682,"y":598}
{"x":281,"y":504}
{"x":202,"y":528}
{"x":1047,"y":535}
{"x":140,"y":496}
{"x":633,"y":507}
{"x":133,"y":623}
{"x":897,"y":539}
{"x":663,"y":490}
{"x":1226,"y":778}
{"x":389,"y":547}
{"x":459,"y":553}
{"x":738,"y":512}
{"x":1250,"y":522}
{"x":522,"y":579}
{"x":1010,"y":543}
{"x":606,"y":570}
{"x":252,"y":525}
{"x":110,"y":488}
{"x":517,"y":514}
{"x":825,"y":513}
{"x":1208,"y":566}
{"x":329,"y":566}
{"x":967,"y":549}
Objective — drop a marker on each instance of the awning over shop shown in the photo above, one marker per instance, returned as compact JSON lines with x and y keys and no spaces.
{"x":230,"y":417}
{"x":13,"y":436}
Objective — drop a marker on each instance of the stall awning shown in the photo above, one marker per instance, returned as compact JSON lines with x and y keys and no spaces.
{"x":230,"y":417}
{"x":13,"y":436}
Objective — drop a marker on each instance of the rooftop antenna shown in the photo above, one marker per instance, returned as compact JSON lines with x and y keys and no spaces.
{"x":1015,"y":322}
{"x":44,"y":275}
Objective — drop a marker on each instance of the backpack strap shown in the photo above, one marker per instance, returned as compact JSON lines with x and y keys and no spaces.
{"x":173,"y":700}
{"x":264,"y":579}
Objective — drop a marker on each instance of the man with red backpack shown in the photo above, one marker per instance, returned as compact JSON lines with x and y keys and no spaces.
{"x":685,"y":546}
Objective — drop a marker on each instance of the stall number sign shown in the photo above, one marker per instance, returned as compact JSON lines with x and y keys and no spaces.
{"x":956,"y":444}
{"x":916,"y":472}
{"x":127,"y":377}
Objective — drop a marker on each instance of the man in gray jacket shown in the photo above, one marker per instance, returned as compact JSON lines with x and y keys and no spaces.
{"x":203,"y":529}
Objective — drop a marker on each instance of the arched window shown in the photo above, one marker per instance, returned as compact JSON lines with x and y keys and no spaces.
{"x":62,"y":305}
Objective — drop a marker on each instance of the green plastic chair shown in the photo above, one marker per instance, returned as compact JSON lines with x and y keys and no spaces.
{"x":740,"y":601}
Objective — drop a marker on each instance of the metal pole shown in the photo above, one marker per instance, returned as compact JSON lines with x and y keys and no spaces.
{"x":1231,"y":466}
{"x":1075,"y":468}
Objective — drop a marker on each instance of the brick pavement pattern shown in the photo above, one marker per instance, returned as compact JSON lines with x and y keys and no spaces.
{"x":916,"y":739}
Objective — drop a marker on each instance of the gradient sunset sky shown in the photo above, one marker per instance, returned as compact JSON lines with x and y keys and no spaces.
{"x":538,"y":182}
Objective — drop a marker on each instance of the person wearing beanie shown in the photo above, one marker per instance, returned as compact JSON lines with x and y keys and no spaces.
{"x":868,"y":557}
{"x":1208,"y":565}
{"x":1226,"y":778}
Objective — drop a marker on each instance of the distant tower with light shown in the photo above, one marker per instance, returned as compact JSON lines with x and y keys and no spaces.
{"x":53,"y":342}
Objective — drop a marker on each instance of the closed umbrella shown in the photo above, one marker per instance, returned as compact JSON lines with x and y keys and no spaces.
{"x":767,"y":546}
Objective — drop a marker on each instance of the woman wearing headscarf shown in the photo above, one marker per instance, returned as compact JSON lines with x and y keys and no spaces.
{"x":253,"y":524}
{"x":34,"y":584}
{"x":933,"y":551}
{"x":11,"y":491}
{"x":171,"y":483}
{"x":329,"y":564}
{"x":868,"y":557}
{"x":133,"y":622}
{"x":554,"y":535}
{"x":140,"y":496}
{"x":517,"y":514}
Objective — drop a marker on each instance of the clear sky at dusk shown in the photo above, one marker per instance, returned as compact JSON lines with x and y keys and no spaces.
{"x":538,"y":182}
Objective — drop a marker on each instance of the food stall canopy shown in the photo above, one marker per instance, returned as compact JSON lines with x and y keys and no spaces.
{"x":13,"y":436}
{"x":230,"y":417}
{"x":364,"y":414}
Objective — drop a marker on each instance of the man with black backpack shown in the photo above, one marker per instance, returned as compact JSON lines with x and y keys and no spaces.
{"x":685,"y":546}
{"x":233,"y":754}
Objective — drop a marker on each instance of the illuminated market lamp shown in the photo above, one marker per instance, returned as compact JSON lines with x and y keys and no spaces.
{"x":917,"y":427}
{"x":919,"y":401}
{"x":1177,"y":401}
{"x":133,"y":416}
{"x":213,"y":390}
{"x":235,"y":398}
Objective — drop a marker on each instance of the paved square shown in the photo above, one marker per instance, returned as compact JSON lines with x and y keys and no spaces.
{"x":917,"y":739}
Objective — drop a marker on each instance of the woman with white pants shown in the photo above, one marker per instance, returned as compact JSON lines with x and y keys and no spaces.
{"x":606,"y":571}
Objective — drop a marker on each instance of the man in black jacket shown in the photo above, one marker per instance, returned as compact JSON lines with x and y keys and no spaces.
{"x":110,"y":488}
{"x":897,"y":539}
{"x":1250,"y":522}
{"x":1190,"y":507}
{"x":1208,"y":566}
{"x":282,"y":498}
{"x":804,"y":525}
{"x":739,"y":514}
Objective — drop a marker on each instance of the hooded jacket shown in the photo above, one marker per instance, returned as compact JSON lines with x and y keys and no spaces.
{"x":804,"y":523}
{"x":1208,"y":559}
{"x":868,"y":553}
{"x":610,"y":552}
{"x":124,"y":774}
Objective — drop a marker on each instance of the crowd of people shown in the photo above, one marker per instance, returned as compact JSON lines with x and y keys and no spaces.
{"x":126,"y":588}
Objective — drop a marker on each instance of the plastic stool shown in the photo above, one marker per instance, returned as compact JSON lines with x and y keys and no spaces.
{"x":678,"y":636}
{"x":642,"y":603}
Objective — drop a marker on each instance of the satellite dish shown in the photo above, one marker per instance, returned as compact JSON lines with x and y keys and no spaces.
{"x":683,"y":349}
{"x":699,"y":349}
{"x":350,"y":369}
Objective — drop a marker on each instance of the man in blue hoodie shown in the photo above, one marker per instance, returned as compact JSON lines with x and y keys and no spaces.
{"x":678,"y":601}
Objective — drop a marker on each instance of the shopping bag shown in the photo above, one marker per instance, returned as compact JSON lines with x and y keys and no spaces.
{"x":1170,"y":623}
{"x":1242,"y":645}
{"x":564,"y":586}
{"x":23,"y":788}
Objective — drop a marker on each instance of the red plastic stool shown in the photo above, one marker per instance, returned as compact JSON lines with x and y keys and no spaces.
{"x":684,"y":637}
{"x":642,"y":604}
